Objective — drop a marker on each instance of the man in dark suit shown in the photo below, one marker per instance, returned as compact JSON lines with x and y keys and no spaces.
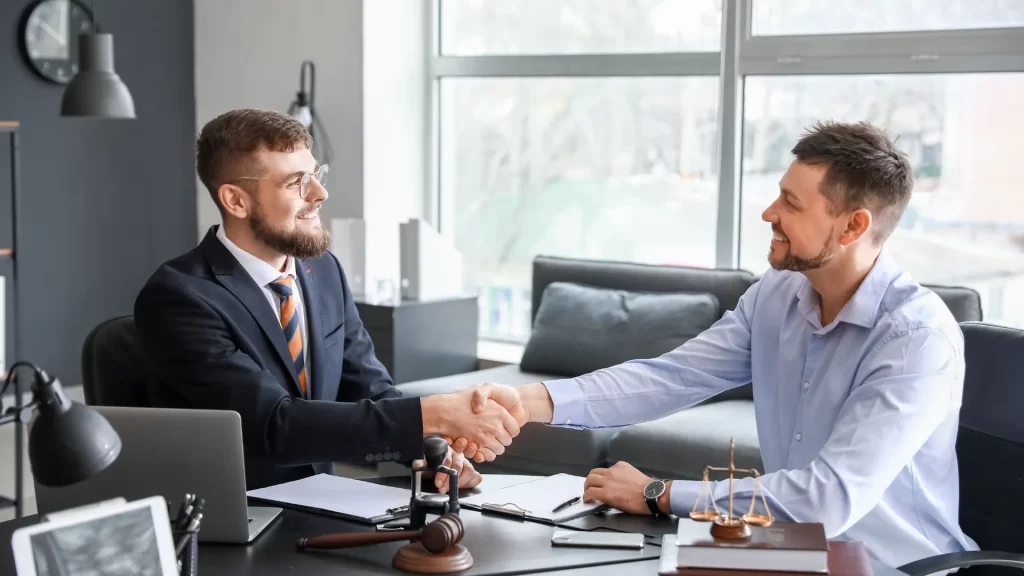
{"x":259,"y":319}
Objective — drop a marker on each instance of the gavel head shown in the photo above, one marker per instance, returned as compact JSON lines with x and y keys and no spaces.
{"x":442,"y":533}
{"x":434,"y":451}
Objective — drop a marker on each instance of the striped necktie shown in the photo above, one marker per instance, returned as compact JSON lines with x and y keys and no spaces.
{"x":290,"y":324}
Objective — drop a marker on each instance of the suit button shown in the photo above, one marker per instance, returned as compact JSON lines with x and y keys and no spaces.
{"x":369,"y":457}
{"x":396,"y":455}
{"x":387,"y":455}
{"x":378,"y":457}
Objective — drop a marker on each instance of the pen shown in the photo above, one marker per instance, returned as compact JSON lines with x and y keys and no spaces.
{"x":567,"y":503}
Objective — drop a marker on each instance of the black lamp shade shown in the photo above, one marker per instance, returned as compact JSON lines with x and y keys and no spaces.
{"x":97,"y":90}
{"x":69,"y":442}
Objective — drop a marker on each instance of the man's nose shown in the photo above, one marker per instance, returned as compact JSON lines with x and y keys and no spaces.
{"x":317,"y":191}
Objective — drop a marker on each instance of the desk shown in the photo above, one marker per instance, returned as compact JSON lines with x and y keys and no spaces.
{"x":499,"y":545}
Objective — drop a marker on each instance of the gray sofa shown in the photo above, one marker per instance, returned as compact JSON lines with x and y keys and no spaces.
{"x":677,"y":446}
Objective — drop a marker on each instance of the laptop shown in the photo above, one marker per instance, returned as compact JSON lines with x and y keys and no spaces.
{"x":170,"y":452}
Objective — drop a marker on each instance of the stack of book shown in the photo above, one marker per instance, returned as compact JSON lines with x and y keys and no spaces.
{"x":783,"y":548}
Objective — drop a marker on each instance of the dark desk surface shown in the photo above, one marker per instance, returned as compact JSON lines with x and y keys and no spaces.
{"x":499,"y":545}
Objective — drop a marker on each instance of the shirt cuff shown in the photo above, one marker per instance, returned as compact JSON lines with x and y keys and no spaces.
{"x":568,"y":401}
{"x":682,"y":496}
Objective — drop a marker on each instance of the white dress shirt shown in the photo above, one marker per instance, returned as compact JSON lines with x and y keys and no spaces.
{"x":263,"y":274}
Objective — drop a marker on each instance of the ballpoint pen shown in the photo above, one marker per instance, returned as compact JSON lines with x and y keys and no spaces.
{"x":567,"y":503}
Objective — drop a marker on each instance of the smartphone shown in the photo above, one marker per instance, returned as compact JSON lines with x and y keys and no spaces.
{"x":597,"y":539}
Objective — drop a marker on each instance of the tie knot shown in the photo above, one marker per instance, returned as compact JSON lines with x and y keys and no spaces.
{"x":282,"y":286}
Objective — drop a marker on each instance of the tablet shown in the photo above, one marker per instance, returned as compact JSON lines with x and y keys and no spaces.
{"x":111,"y":539}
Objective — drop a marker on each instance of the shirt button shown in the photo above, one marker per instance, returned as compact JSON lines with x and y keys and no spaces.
{"x":807,"y":385}
{"x":799,"y":436}
{"x":568,"y":420}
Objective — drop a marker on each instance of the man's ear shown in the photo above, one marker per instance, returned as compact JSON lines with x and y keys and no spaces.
{"x":857,"y":225}
{"x":234,"y":200}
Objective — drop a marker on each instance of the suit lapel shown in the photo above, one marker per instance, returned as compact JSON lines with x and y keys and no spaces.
{"x":236,"y":280}
{"x":314,"y":327}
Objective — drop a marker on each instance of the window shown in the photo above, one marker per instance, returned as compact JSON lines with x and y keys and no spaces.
{"x":965,"y":222}
{"x":796,"y":17}
{"x":516,"y":27}
{"x":609,"y":168}
{"x":649,"y":131}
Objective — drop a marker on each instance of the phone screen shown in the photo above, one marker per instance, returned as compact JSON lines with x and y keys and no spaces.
{"x":597,"y":539}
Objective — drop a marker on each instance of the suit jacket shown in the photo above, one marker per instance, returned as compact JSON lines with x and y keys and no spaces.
{"x":213,"y":342}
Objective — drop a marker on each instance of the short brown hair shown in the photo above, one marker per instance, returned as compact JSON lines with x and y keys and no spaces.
{"x":227,"y":144}
{"x":865,"y":170}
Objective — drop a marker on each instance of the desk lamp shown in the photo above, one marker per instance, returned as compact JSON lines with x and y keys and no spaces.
{"x":68,"y":442}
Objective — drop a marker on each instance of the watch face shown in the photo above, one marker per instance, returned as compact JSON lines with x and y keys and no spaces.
{"x":50,"y":37}
{"x":654,"y":489}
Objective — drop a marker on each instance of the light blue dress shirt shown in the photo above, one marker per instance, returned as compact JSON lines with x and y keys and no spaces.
{"x":857,"y":420}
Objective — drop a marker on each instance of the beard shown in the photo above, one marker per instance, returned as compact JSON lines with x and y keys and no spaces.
{"x":795,"y":263}
{"x":297,"y":243}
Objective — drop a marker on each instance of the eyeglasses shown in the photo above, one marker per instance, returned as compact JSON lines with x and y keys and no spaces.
{"x":301,"y":183}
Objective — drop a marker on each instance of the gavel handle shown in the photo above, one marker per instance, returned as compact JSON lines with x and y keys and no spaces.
{"x":353,"y":539}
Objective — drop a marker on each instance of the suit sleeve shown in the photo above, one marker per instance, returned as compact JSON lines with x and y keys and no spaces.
{"x":362,"y":374}
{"x":191,"y":348}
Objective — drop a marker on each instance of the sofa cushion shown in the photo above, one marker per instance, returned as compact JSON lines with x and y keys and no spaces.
{"x":678,"y":447}
{"x":539,"y":449}
{"x":581,"y":328}
{"x":726,"y":285}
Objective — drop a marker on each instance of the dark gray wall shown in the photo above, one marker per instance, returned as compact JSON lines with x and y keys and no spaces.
{"x":102,"y":202}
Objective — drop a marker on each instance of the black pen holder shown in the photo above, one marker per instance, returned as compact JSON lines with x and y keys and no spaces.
{"x":188,"y":560}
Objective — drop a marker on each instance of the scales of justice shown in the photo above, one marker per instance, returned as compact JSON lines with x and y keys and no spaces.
{"x":728,"y":526}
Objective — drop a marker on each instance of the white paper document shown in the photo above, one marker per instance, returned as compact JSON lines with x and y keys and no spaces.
{"x":351,"y":499}
{"x":537,"y":499}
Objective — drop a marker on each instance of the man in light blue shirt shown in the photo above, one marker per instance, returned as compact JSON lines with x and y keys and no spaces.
{"x":857,"y":370}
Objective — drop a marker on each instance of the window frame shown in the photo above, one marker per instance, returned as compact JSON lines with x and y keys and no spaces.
{"x":741,"y":54}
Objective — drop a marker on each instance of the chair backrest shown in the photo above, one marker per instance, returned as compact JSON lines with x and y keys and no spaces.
{"x":964,"y":303}
{"x":990,"y":442}
{"x":112,"y":365}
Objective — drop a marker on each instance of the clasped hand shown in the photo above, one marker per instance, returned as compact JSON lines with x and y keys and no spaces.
{"x":476,"y":419}
{"x":484,"y":399}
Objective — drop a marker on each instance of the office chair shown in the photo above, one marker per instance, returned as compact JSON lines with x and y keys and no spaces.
{"x":990,"y":455}
{"x":112,"y":365}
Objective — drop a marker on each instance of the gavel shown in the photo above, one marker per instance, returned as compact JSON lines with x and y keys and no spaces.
{"x":436,"y":537}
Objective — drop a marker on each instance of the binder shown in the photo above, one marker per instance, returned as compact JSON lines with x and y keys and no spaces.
{"x":536,"y":500}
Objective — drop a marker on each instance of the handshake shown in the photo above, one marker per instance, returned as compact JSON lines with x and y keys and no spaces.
{"x":478,"y":422}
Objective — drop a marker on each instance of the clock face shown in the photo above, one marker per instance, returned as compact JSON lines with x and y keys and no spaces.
{"x":50,"y":37}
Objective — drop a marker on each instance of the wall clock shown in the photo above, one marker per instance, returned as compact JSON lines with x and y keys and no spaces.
{"x":49,"y":37}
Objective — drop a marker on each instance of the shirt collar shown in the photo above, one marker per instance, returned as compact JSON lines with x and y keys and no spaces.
{"x":862,"y":309}
{"x":261,"y":272}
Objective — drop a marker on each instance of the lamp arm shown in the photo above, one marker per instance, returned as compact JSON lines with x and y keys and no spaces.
{"x":15,"y":415}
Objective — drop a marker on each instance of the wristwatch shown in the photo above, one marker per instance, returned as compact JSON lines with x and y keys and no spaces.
{"x":652,"y":492}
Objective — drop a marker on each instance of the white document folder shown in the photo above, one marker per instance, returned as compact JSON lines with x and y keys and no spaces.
{"x":537,"y":499}
{"x":346,"y":498}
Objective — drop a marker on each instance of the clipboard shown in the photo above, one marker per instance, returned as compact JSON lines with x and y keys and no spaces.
{"x":535,"y":500}
{"x":344,"y":498}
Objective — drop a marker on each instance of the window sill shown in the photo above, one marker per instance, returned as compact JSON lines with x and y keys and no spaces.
{"x":495,"y":351}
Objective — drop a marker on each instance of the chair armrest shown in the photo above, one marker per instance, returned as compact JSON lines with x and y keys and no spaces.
{"x":944,"y":562}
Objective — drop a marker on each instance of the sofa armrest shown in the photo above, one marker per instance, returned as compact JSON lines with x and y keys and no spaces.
{"x":944,"y":562}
